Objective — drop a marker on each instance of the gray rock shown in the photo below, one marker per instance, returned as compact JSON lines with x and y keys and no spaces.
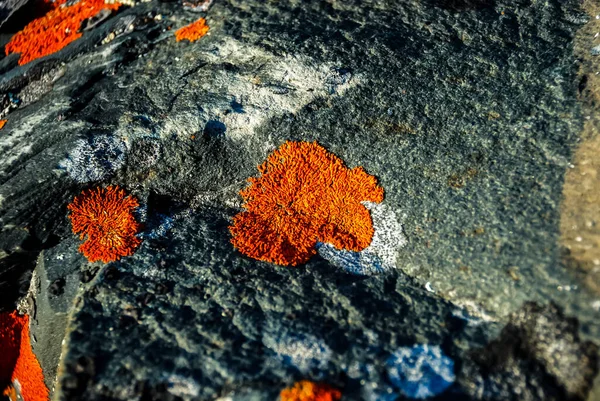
{"x":9,"y":7}
{"x":539,"y":347}
{"x":53,"y":293}
{"x":465,"y":111}
{"x":198,"y":321}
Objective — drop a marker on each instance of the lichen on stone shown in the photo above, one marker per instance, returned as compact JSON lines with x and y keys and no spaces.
{"x":18,"y":364}
{"x":309,"y":391}
{"x":380,"y":255}
{"x":104,"y":218}
{"x":421,"y":371}
{"x":95,"y":158}
{"x":305,"y":195}
{"x":55,"y":30}
{"x":193,"y":31}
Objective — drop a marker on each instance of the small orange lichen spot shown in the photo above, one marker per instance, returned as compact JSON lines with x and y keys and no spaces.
{"x":19,"y":367}
{"x":10,"y":393}
{"x":305,"y":195}
{"x":193,"y":31}
{"x":308,"y":391}
{"x":55,"y":30}
{"x":3,"y":123}
{"x":105,"y":217}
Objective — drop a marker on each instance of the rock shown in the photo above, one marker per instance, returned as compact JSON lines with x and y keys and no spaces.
{"x":465,"y":111}
{"x":421,"y":371}
{"x":9,"y":7}
{"x":539,"y":345}
{"x":198,"y":321}
{"x":422,"y":121}
{"x":51,"y":317}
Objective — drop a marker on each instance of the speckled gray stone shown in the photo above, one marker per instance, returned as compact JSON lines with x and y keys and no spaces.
{"x":465,"y":111}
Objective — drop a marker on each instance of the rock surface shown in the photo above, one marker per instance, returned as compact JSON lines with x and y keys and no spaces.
{"x":465,"y":111}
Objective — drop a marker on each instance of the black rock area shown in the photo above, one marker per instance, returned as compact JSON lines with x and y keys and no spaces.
{"x":8,"y":8}
{"x":466,"y":111}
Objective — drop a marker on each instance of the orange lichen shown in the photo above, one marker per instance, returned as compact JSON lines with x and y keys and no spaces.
{"x":193,"y":31}
{"x":18,"y":364}
{"x":55,"y":30}
{"x":10,"y":393}
{"x":305,"y":195}
{"x":309,"y":391}
{"x":3,"y":123}
{"x":105,"y":217}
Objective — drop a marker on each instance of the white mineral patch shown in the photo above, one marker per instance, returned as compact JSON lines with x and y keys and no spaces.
{"x":303,"y":350}
{"x":266,"y":85}
{"x":388,"y":237}
{"x":380,"y":255}
{"x":473,"y":309}
{"x":94,"y":159}
{"x":183,"y":387}
{"x":182,"y":126}
{"x":19,"y":139}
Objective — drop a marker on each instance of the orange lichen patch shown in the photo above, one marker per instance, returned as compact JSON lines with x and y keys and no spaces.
{"x":55,"y":30}
{"x":105,"y":217}
{"x":305,"y":195}
{"x":193,"y":31}
{"x":308,"y":391}
{"x":3,"y":123}
{"x":10,"y":393}
{"x":18,"y":363}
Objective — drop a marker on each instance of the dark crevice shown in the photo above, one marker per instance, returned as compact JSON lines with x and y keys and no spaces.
{"x":30,"y":11}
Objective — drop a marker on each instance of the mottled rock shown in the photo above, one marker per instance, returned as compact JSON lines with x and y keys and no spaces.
{"x":467,"y":113}
{"x":200,"y":321}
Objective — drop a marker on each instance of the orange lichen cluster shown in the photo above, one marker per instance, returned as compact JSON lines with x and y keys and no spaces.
{"x":18,"y":364}
{"x":305,"y":195}
{"x":55,"y":30}
{"x":193,"y":31}
{"x":10,"y":393}
{"x":105,"y":216}
{"x":309,"y":391}
{"x":3,"y":123}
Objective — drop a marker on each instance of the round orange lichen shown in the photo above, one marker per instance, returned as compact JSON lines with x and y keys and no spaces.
{"x":55,"y":30}
{"x":106,"y":217}
{"x":193,"y":31}
{"x":18,"y":364}
{"x":305,"y":195}
{"x":308,"y":391}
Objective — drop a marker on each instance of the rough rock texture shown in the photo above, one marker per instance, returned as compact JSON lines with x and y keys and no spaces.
{"x":199,"y":322}
{"x":538,"y":347}
{"x":465,"y":111}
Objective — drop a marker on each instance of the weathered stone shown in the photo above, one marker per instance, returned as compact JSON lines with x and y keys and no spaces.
{"x":465,"y":111}
{"x":539,"y":347}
